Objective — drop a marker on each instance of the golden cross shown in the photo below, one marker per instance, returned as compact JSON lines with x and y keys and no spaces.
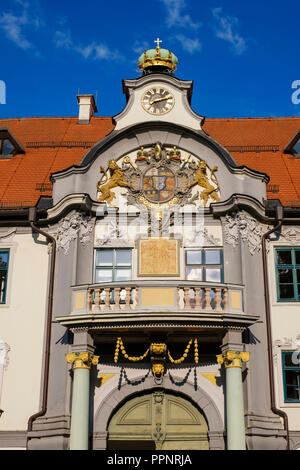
{"x":157,"y":42}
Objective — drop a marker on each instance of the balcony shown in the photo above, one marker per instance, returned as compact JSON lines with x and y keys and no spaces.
{"x":156,"y":301}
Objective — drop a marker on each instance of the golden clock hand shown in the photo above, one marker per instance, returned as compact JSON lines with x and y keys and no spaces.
{"x":156,"y":100}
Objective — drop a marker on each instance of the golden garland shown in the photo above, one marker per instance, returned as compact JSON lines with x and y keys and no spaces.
{"x":178,"y":361}
{"x":120,"y":345}
{"x":196,"y":351}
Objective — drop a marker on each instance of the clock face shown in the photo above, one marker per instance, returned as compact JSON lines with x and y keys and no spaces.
{"x":158,"y":101}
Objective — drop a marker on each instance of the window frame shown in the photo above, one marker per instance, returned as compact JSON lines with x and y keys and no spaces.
{"x":5,"y":251}
{"x":17,"y":147}
{"x":204,"y":265}
{"x":294,"y":266}
{"x":285,"y":369}
{"x":112,"y":267}
{"x":290,"y":147}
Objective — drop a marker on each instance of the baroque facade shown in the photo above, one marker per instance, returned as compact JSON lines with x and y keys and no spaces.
{"x":150,"y":276}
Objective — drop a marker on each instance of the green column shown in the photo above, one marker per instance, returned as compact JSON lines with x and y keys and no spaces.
{"x":234,"y":398}
{"x":79,"y":436}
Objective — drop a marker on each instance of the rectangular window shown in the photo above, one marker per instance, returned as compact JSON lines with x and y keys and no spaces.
{"x":287,"y":262}
{"x":204,"y":265}
{"x":113,"y":264}
{"x":291,"y":375}
{"x":4,"y":259}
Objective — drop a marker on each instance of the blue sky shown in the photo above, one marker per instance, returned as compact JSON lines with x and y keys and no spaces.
{"x":243,"y":56}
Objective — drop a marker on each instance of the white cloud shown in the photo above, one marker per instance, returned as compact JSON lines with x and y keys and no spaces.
{"x":225,"y":31}
{"x":13,"y":25}
{"x":63,"y":39}
{"x":140,"y":46}
{"x":176,"y":16}
{"x":189,"y":45}
{"x":93,"y":50}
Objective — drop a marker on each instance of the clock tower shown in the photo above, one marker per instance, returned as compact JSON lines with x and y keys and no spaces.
{"x":158,"y":95}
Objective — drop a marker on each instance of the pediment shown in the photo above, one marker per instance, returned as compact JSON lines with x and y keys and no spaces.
{"x":197,"y":152}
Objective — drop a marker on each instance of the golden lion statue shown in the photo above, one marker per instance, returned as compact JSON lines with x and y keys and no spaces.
{"x":201,"y":178}
{"x":117,"y":179}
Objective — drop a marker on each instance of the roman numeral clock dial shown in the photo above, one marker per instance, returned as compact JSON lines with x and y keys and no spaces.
{"x":158,"y":101}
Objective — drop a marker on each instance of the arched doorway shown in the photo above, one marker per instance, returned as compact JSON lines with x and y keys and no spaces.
{"x":158,"y":420}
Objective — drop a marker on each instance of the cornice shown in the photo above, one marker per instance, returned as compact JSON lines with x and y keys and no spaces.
{"x":81,"y":202}
{"x":130,"y":84}
{"x":158,"y":319}
{"x":238,"y":202}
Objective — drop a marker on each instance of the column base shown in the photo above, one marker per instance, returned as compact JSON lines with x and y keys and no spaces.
{"x":50,"y":433}
{"x":265,"y":432}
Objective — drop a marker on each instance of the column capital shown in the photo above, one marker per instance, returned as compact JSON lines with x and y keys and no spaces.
{"x":82,"y":360}
{"x":233,"y":358}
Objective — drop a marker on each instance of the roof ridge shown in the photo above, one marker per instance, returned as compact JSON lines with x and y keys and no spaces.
{"x":285,"y":118}
{"x":51,"y":117}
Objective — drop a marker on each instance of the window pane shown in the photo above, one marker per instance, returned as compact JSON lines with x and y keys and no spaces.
{"x":284,"y":257}
{"x":105,"y":257}
{"x":193,"y":257}
{"x":291,"y":378}
{"x":292,"y":393}
{"x":194,"y":274}
{"x":288,"y":360}
{"x":285,"y":276}
{"x":8,"y":147}
{"x":123,"y":257}
{"x":298,"y":275}
{"x":213,"y":275}
{"x":122,"y":274}
{"x":3,"y":275}
{"x":286,"y":291}
{"x":212,"y":257}
{"x":103,"y":275}
{"x":297,"y":252}
{"x":297,"y":146}
{"x":3,"y":260}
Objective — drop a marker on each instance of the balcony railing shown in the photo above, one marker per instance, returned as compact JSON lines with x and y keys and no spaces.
{"x":157,"y":295}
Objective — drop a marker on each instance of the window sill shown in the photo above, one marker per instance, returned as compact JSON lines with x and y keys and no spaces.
{"x":290,"y":404}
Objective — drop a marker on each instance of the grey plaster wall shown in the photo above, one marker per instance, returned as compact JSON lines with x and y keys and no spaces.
{"x":85,"y":261}
{"x":84,"y":179}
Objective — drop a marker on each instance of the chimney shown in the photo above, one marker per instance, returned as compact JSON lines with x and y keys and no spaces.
{"x":87,"y":107}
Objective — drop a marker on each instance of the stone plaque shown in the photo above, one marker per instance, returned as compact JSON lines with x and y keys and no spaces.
{"x":158,"y":257}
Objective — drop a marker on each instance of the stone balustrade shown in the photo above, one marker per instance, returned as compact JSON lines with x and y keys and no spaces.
{"x":168,"y":295}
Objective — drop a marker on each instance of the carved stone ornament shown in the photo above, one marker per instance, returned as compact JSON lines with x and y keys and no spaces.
{"x":114,"y":237}
{"x":200,"y":236}
{"x":7,"y":236}
{"x":242,"y":226}
{"x":291,"y":235}
{"x":159,"y":177}
{"x":72,"y":226}
{"x":4,"y":350}
{"x":289,"y":344}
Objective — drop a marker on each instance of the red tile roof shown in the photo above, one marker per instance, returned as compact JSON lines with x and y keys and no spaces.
{"x":53,"y":144}
{"x":20,"y":175}
{"x":253,"y":139}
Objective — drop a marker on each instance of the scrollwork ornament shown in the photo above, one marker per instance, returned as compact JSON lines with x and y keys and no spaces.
{"x":241,"y":226}
{"x":71,"y":227}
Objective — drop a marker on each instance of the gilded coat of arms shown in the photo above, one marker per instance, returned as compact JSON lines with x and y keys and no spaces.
{"x":159,"y":177}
